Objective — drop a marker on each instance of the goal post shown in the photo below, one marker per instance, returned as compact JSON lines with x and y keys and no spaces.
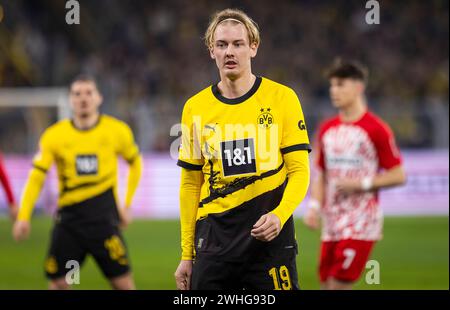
{"x":29,"y":110}
{"x":28,"y":97}
{"x":26,"y":111}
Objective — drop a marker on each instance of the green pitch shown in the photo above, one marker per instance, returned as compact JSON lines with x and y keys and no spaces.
{"x":413,"y":255}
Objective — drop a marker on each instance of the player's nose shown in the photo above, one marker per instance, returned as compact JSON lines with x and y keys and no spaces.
{"x":229,"y":51}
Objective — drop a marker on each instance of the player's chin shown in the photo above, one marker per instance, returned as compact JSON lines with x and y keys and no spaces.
{"x":231,"y":74}
{"x":336,"y":103}
{"x":84,"y":113}
{"x":339,"y":103}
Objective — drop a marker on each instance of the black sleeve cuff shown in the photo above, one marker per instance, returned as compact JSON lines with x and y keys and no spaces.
{"x":133,"y":158}
{"x":39,"y":168}
{"x":189,"y":166}
{"x":296,"y":147}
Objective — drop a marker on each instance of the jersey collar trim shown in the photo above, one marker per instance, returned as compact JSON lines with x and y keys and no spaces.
{"x":86,"y":129}
{"x":251,"y":92}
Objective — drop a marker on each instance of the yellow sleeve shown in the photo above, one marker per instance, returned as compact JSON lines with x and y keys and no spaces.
{"x":30,"y":194}
{"x":191,"y":182}
{"x":190,"y":155}
{"x":295,"y":134}
{"x":42,"y":162}
{"x":134,"y":176}
{"x":129,"y":150}
{"x":297,"y":164}
{"x":127,"y":147}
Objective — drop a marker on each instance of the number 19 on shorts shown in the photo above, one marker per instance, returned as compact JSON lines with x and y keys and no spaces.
{"x":281,"y":278}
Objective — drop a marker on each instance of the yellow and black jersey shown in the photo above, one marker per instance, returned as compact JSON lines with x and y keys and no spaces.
{"x":86,"y":160}
{"x":237,"y":155}
{"x":239,"y":143}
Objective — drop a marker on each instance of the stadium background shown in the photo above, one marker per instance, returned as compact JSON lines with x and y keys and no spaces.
{"x":149,"y":58}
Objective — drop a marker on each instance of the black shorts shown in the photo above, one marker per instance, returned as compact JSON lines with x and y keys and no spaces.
{"x":228,"y":257}
{"x":78,"y":232}
{"x":273,"y":273}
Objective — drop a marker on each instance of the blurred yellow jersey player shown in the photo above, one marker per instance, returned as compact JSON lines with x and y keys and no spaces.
{"x":85,"y":150}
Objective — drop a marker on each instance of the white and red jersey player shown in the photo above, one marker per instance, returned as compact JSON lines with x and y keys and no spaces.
{"x":353,"y":150}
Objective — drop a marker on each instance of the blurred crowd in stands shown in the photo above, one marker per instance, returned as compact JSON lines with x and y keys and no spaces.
{"x":149,"y":58}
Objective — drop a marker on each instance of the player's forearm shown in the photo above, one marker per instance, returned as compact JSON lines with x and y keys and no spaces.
{"x":134,"y":176}
{"x":191,"y":182}
{"x":31,"y":194}
{"x":297,"y":164}
{"x":392,"y":177}
{"x":318,"y":189}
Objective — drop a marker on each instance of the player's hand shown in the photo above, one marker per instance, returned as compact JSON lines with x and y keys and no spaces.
{"x":13,"y":211}
{"x":312,"y":219}
{"x":266,"y":228}
{"x":183,"y":275}
{"x":348,"y":186}
{"x":125,"y":217}
{"x":21,"y":230}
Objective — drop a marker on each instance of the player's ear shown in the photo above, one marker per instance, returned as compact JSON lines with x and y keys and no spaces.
{"x":211,"y":52}
{"x":253,"y":49}
{"x":361,"y":87}
{"x":100,"y":99}
{"x":72,"y":106}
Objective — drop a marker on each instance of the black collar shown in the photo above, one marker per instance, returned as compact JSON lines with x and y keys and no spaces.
{"x":251,"y":92}
{"x":89,"y":128}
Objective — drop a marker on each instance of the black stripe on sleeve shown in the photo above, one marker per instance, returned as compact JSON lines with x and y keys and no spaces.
{"x":40,"y":168}
{"x":296,"y":147}
{"x":189,"y":166}
{"x":133,"y":158}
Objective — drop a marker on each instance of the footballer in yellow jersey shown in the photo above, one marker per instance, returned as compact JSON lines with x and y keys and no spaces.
{"x":85,"y":150}
{"x":244,"y":158}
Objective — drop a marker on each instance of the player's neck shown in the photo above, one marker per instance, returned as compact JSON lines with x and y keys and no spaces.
{"x":353,"y":112}
{"x":236,"y":88}
{"x":86,"y":122}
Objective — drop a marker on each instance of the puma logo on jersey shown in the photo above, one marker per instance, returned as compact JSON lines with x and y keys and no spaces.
{"x":87,"y":164}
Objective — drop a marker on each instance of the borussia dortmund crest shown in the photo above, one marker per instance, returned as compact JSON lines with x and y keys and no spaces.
{"x":265,"y":119}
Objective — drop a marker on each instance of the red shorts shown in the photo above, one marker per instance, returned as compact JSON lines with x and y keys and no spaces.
{"x":344,"y":260}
